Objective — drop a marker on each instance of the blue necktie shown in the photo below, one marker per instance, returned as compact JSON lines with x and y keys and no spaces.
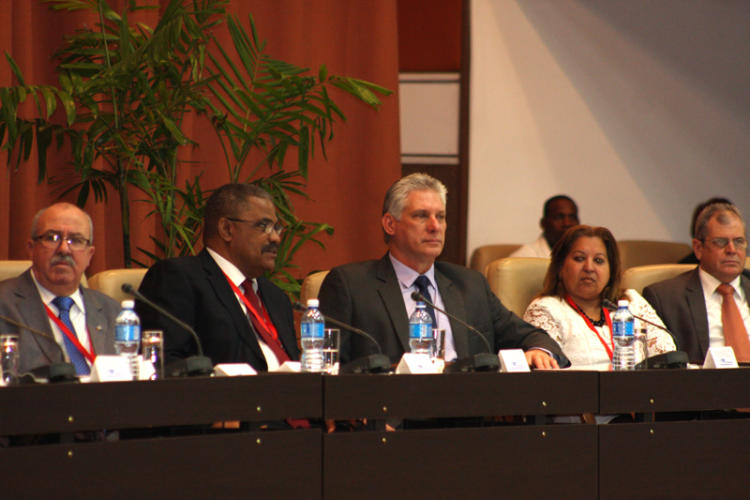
{"x":63,"y":305}
{"x":422,"y":283}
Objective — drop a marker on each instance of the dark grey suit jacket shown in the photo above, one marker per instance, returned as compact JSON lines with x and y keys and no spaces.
{"x":195,"y":290}
{"x":680,"y":304}
{"x":20,"y":300}
{"x":367,"y":295}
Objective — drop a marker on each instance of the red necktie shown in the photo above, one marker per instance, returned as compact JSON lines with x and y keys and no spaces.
{"x":260,"y":326}
{"x":735,"y":334}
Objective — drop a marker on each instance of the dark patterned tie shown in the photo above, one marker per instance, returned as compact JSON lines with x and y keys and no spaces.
{"x":423,"y":285}
{"x":263,"y":332}
{"x":63,"y":305}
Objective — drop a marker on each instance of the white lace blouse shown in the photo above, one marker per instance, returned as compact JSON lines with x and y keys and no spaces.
{"x":579,"y":343}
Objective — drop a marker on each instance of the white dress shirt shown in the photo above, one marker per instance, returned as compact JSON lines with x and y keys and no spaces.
{"x":238,"y":278}
{"x":713,"y":307}
{"x":77,"y":317}
{"x":539,"y":248}
{"x":406,"y":276}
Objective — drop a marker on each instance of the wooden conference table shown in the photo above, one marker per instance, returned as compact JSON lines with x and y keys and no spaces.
{"x":535,"y":459}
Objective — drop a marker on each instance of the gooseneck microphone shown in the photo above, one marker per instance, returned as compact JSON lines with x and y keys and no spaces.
{"x":373,"y":363}
{"x":59,"y":371}
{"x":190,"y":366}
{"x":484,"y":361}
{"x":671,"y":359}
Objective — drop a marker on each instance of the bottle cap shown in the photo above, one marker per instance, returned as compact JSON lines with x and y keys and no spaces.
{"x":127,"y":304}
{"x":313,"y":303}
{"x":622,"y":303}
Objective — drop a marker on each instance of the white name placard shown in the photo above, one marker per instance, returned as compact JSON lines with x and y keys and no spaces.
{"x":720,"y":357}
{"x":513,"y":361}
{"x":419,"y":363}
{"x":111,"y":368}
{"x":233,"y":370}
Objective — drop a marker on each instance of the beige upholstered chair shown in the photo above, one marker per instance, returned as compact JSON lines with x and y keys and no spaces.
{"x":12,"y":268}
{"x":311,"y":286}
{"x":644,"y":252}
{"x":481,"y":256}
{"x":747,"y":263}
{"x":640,"y":277}
{"x":516,"y":280}
{"x":110,"y":281}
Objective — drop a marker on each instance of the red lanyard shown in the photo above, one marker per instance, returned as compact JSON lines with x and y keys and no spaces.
{"x":261,"y":316}
{"x":608,"y":347}
{"x":90,"y":356}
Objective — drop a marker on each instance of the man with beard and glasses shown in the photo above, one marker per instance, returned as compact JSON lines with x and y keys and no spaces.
{"x":79,"y":322}
{"x":239,"y":315}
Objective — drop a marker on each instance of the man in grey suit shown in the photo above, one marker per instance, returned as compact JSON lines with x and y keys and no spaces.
{"x":376,"y":295}
{"x":78,"y":322}
{"x":708,"y":306}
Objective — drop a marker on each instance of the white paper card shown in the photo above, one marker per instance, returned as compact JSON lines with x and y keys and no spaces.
{"x":513,"y":361}
{"x":145,"y":369}
{"x":720,"y":357}
{"x":289,"y":367}
{"x":111,"y":368}
{"x":233,"y":370}
{"x":419,"y":363}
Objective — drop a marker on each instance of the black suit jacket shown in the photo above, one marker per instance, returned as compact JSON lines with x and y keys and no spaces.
{"x":195,"y":290}
{"x":20,"y":300}
{"x":367,"y":295}
{"x":680,"y":304}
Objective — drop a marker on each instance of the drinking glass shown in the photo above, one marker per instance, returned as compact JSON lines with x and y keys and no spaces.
{"x":152,"y":344}
{"x":331,"y":345}
{"x":9,"y":357}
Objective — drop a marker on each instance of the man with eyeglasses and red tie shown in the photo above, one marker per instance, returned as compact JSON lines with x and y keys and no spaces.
{"x":708,"y":306}
{"x":238,"y":314}
{"x":79,"y":322}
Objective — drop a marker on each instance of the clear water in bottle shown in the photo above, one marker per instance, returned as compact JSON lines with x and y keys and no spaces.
{"x":128,"y":335}
{"x":624,"y":338}
{"x":420,"y":331}
{"x":311,"y":338}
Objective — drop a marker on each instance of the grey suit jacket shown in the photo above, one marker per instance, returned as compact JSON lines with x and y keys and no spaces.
{"x":367,"y":295}
{"x":680,"y":304}
{"x":20,"y":300}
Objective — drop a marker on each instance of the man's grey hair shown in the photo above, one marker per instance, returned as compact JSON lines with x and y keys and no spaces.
{"x":723,"y":213}
{"x":395,"y":197}
{"x":35,"y":220}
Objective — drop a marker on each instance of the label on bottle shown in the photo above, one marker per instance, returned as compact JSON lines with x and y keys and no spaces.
{"x":127,"y":333}
{"x":622,"y":328}
{"x":311,"y":330}
{"x":419,"y":331}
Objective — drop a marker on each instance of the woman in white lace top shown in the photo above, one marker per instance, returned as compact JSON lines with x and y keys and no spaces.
{"x":584,"y":270}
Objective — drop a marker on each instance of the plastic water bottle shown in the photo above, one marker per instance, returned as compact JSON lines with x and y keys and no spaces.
{"x":420,"y":330}
{"x":623,"y":335}
{"x":311,"y":338}
{"x":128,"y":335}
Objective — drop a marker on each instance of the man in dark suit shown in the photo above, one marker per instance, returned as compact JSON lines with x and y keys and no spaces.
{"x":239,"y":315}
{"x":78,"y":322}
{"x":376,"y":295}
{"x":708,"y":306}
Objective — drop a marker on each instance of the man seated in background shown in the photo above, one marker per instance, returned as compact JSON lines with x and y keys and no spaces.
{"x":559,"y":213}
{"x":708,"y":306}
{"x":238,"y":314}
{"x":691,"y":258}
{"x":376,"y":295}
{"x":79,"y":322}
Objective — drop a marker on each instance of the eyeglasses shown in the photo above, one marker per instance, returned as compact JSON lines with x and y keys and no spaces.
{"x":740,"y":243}
{"x":52,"y":239}
{"x":264,"y":226}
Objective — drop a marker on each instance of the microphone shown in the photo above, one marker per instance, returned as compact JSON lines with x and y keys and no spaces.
{"x":190,"y":366}
{"x":672,"y":359}
{"x":57,"y":371}
{"x":483,"y":361}
{"x":373,"y":363}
